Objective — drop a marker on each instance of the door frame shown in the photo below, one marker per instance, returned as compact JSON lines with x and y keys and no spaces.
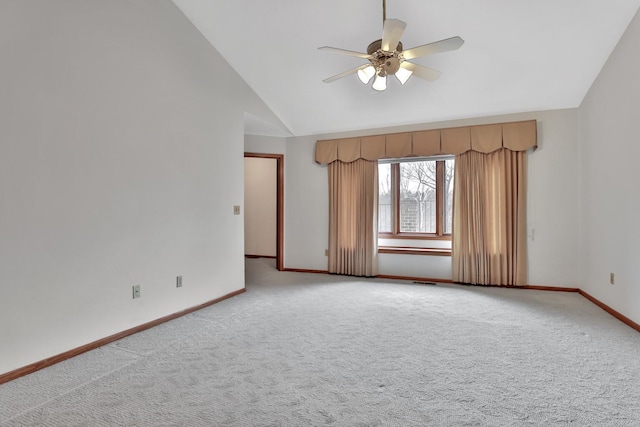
{"x":279,"y":203}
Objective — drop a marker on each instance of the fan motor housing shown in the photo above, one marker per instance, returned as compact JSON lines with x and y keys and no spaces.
{"x":377,"y":46}
{"x":391,"y":65}
{"x":385,"y":62}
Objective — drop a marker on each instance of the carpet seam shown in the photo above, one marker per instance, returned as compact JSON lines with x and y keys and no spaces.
{"x":68,"y":392}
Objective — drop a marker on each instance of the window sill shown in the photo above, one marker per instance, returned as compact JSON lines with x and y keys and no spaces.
{"x":406,"y":250}
{"x":410,"y":236}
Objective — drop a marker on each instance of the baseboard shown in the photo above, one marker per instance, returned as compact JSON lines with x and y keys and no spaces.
{"x":302,"y":270}
{"x":546,"y":288}
{"x":259,"y":256}
{"x":429,"y":279}
{"x":412,"y":279}
{"x":25,"y":370}
{"x":621,"y":317}
{"x":532,"y":287}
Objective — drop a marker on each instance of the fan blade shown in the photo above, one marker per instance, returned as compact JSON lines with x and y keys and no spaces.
{"x":391,"y":33}
{"x":425,"y":73}
{"x":436,"y":47}
{"x":344,"y":52}
{"x":345,"y":74}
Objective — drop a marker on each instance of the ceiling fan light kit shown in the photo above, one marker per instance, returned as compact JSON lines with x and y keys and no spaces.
{"x":386,"y":56}
{"x":380,"y":83}
{"x":366,"y":74}
{"x":403,"y":75}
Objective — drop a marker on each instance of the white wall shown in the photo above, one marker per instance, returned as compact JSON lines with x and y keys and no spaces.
{"x":552,"y":204}
{"x":265,"y":144}
{"x":260,"y":201}
{"x":610,"y":225}
{"x":121,"y":150}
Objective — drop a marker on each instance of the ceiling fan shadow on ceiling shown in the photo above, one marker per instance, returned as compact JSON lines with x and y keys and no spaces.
{"x":386,"y":56}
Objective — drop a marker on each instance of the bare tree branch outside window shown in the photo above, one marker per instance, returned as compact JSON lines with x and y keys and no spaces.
{"x":417,"y":201}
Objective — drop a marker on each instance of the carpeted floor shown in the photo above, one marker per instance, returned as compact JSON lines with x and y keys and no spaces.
{"x":306,"y":349}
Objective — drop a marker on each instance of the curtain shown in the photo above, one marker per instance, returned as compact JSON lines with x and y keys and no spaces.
{"x":489,"y":233}
{"x":353,"y":218}
{"x":516,"y":136}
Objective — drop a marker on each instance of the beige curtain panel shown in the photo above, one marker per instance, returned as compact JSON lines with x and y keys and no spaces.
{"x":516,"y":136}
{"x":489,"y":245}
{"x":353,"y":218}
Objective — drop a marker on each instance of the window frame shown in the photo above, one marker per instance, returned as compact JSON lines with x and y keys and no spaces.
{"x":395,"y":232}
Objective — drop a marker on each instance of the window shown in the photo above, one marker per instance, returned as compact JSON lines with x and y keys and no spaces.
{"x":415,"y":198}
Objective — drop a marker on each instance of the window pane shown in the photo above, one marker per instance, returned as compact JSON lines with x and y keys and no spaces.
{"x":418,"y":197}
{"x":384,"y":198}
{"x":449,"y":169}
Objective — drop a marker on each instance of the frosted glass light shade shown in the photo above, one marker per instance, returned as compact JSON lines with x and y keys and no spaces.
{"x":403,"y":75}
{"x":366,"y":73}
{"x":380,"y":83}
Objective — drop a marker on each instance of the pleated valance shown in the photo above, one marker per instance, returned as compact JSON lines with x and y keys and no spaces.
{"x":516,"y":136}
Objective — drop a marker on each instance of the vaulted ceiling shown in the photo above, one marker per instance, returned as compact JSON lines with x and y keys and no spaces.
{"x":518,"y":56}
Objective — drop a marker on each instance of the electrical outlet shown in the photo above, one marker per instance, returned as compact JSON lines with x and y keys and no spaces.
{"x":612,"y":278}
{"x":179,"y":282}
{"x":326,"y":252}
{"x":236,"y":210}
{"x":136,"y":291}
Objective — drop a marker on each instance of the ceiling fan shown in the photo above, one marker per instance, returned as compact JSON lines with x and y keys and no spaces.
{"x":387,"y":57}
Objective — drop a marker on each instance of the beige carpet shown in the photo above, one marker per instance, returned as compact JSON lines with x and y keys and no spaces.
{"x":303,"y":349}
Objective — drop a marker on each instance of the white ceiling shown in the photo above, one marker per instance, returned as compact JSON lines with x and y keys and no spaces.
{"x":518,"y":56}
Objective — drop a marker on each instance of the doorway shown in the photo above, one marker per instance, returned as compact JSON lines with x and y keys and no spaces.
{"x":264,"y":206}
